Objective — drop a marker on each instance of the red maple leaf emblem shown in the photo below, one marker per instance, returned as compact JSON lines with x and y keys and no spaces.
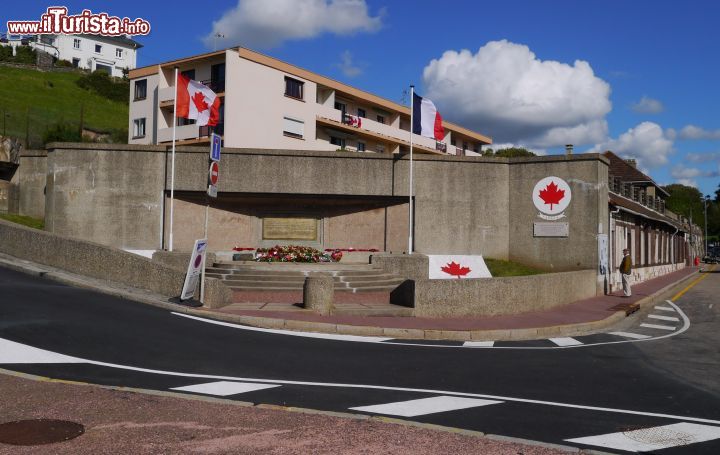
{"x":455,"y":269}
{"x":198,"y":100}
{"x":552,"y":195}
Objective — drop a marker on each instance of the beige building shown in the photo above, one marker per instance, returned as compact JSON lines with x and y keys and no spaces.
{"x":270,"y":104}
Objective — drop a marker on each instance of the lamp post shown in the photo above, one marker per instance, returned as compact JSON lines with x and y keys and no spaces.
{"x":706,"y":199}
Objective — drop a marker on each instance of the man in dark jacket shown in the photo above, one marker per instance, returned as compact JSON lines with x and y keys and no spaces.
{"x":625,"y":270}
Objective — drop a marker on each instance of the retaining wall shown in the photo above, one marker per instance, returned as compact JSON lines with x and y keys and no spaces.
{"x":100,"y":261}
{"x":501,"y":296}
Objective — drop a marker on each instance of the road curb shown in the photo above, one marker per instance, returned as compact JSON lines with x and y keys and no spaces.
{"x":142,"y":296}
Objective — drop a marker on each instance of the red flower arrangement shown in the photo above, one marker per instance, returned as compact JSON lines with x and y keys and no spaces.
{"x":364,"y":250}
{"x":295,"y":253}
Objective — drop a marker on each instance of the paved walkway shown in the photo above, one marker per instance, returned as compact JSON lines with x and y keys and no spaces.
{"x":584,"y":315}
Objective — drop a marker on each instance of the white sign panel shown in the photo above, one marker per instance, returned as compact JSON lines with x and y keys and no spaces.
{"x":457,"y":266}
{"x":603,"y":253}
{"x":551,"y":195}
{"x":197,"y":259}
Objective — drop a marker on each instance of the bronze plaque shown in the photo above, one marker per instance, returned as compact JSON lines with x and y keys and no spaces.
{"x":290,"y":229}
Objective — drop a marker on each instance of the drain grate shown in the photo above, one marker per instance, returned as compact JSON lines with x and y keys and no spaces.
{"x":39,"y":431}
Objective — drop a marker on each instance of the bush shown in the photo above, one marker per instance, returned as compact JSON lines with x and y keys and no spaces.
{"x":63,"y":64}
{"x":62,"y":132}
{"x":101,"y":83}
{"x":25,"y":54}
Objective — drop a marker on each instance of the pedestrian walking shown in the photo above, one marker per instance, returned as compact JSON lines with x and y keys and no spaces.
{"x":625,"y":269}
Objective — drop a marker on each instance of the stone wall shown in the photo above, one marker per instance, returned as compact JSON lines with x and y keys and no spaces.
{"x":28,"y":184}
{"x":501,"y":296}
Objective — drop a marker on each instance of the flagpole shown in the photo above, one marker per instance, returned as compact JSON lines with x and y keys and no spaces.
{"x":410,"y":191}
{"x":172,"y":166}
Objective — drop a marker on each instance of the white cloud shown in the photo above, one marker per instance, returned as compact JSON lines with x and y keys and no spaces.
{"x":268,"y":23}
{"x":680,"y":171}
{"x":695,"y":132}
{"x":347,"y":66}
{"x":505,"y":91}
{"x":703,"y":157}
{"x":687,"y":182}
{"x":645,"y":142}
{"x":648,"y":105}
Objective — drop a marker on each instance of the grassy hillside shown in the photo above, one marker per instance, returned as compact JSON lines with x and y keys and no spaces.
{"x":47,"y":98}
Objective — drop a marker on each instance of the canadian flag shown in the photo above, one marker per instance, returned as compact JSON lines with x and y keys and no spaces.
{"x":196,"y":101}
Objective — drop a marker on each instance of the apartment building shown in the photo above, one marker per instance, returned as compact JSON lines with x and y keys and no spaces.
{"x":270,"y":104}
{"x":111,"y":54}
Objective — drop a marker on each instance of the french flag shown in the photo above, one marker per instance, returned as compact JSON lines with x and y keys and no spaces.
{"x":426,"y":119}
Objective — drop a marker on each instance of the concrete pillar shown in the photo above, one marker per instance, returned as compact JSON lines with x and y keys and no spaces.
{"x":318,"y":293}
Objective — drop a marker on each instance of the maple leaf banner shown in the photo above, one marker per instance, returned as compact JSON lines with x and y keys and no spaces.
{"x":457,"y":266}
{"x":197,"y":102}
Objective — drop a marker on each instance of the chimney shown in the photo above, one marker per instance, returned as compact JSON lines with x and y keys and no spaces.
{"x":632,"y":162}
{"x":568,"y":149}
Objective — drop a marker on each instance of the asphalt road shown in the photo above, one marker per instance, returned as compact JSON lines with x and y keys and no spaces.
{"x":658,"y":394}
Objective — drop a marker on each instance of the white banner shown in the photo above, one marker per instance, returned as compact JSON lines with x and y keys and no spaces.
{"x":454,"y":266}
{"x":197,"y":260}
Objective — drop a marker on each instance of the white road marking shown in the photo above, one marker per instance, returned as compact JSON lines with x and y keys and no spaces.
{"x":224,"y":388}
{"x":656,"y":326}
{"x":325,"y":336}
{"x":412,"y":408}
{"x":566,"y":341}
{"x":636,"y":336}
{"x":654,"y":438}
{"x":366,"y":339}
{"x":11,"y":352}
{"x":663,"y":318}
{"x":664,"y":308}
{"x":479,"y":344}
{"x":397,"y":389}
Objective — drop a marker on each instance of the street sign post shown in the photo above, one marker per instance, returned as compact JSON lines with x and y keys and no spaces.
{"x":213,"y":175}
{"x":194,"y":270}
{"x":215,"y":143}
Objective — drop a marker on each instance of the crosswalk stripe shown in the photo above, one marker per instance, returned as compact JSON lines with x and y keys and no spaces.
{"x":664,"y":308}
{"x":663,"y":318}
{"x":654,"y":438}
{"x":565,"y":341}
{"x":656,"y":326}
{"x":479,"y":344}
{"x":636,"y":336}
{"x":224,"y":388}
{"x":422,"y":406}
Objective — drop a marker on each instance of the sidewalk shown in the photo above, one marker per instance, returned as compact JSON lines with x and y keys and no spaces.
{"x":583,"y":316}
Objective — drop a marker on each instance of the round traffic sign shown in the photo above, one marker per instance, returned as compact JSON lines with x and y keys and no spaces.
{"x":214,"y":172}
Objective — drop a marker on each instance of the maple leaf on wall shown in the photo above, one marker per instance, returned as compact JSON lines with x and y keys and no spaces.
{"x":455,"y":269}
{"x":552,"y":195}
{"x":199,"y":100}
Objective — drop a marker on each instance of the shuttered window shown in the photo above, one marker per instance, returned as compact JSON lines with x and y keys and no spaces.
{"x":293,"y":128}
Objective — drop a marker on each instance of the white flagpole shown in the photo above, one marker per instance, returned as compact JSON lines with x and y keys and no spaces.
{"x":410,"y":192}
{"x":172,"y":166}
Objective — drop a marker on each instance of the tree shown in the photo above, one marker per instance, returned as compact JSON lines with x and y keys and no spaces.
{"x":510,"y":152}
{"x":717,"y":194}
{"x":686,"y":200}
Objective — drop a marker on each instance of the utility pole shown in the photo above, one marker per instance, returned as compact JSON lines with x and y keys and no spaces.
{"x":705,"y":201}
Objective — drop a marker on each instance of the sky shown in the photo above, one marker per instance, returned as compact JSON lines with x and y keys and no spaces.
{"x":636,"y":77}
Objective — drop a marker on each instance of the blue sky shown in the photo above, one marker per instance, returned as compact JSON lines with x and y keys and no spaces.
{"x":637,"y":77}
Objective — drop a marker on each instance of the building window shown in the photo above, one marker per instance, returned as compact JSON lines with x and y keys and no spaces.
{"x":140,"y":90}
{"x":293,"y":128}
{"x":361,"y":147}
{"x":361,"y":113}
{"x":44,"y":39}
{"x":106,"y":68}
{"x":380,"y":148}
{"x":118,"y":52}
{"x":98,"y":48}
{"x":76,"y":63}
{"x":76,"y":43}
{"x":294,"y":88}
{"x":380,"y":119}
{"x":337,"y":141}
{"x":138,"y":128}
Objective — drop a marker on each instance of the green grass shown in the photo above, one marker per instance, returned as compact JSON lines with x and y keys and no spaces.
{"x":46,"y":98}
{"x":500,"y":268}
{"x":24,"y":220}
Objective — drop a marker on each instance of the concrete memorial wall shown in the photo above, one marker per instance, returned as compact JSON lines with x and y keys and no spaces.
{"x":118,"y":195}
